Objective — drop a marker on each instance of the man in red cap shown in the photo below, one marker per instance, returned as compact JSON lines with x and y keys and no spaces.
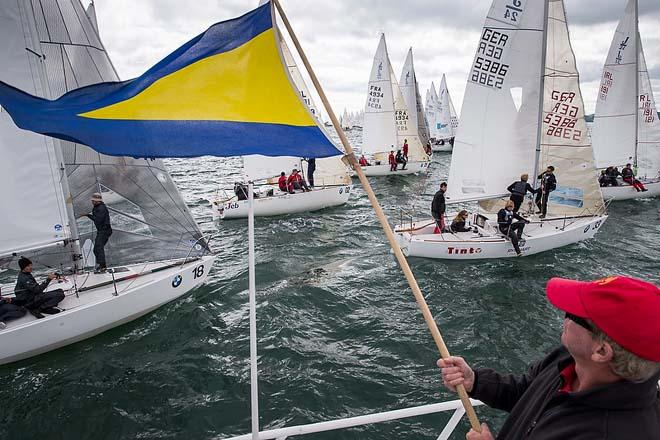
{"x":603,"y":382}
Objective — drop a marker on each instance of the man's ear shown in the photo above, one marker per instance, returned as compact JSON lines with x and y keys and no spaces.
{"x":602,"y":352}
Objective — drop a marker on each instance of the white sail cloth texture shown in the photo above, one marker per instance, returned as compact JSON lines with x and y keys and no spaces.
{"x":497,"y":135}
{"x":379,"y":131}
{"x":443,"y":114}
{"x":410,"y":91}
{"x":615,"y":122}
{"x":564,"y":141}
{"x":33,"y":210}
{"x":648,"y":136}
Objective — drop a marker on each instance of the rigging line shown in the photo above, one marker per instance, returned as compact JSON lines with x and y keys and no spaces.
{"x":77,"y":5}
{"x":183,"y":208}
{"x":176,"y":220}
{"x":64,"y":43}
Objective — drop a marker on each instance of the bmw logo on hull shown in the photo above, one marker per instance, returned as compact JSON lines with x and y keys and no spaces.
{"x":176,"y":281}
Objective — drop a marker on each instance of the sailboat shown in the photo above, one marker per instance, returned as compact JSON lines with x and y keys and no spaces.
{"x":410,"y":91}
{"x":523,"y":111}
{"x":387,"y":121}
{"x":332,"y":181}
{"x":157,"y":251}
{"x":446,"y":120}
{"x":626,"y":128}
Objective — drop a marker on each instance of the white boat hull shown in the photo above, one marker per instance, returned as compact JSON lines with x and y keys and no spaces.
{"x":284,"y":203}
{"x":627,"y":192}
{"x":97,"y":310}
{"x":540,"y":236}
{"x":384,"y":169}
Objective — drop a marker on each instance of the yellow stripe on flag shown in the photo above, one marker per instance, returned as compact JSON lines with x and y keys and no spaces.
{"x":246,"y":84}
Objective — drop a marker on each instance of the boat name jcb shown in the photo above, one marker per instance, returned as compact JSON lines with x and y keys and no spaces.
{"x":463,"y":251}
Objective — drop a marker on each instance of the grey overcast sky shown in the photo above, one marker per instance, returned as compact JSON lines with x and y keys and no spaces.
{"x":340,"y":37}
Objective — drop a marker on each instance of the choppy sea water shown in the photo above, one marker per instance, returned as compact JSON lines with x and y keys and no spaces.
{"x":339,"y":332}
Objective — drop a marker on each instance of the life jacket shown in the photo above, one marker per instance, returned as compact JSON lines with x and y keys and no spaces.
{"x":391,"y":159}
{"x":282,"y":183}
{"x":363,"y":161}
{"x":519,"y":188}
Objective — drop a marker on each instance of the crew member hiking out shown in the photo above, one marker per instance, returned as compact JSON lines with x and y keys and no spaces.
{"x":628,"y":176}
{"x":601,"y":384}
{"x":438,"y":208}
{"x":31,"y":295}
{"x":548,"y":184}
{"x":518,"y":191}
{"x":512,"y":230}
{"x":101,"y":218}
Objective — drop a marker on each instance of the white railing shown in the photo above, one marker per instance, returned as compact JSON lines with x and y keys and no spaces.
{"x":351,"y":422}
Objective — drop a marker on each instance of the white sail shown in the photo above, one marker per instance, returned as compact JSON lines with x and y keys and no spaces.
{"x":298,"y":80}
{"x":615,"y":121}
{"x":91,"y":13}
{"x":444,"y":125}
{"x":452,"y":111}
{"x":345,"y":120}
{"x":406,"y":130}
{"x":648,"y":134}
{"x":564,"y":142}
{"x":410,"y":90}
{"x":432,"y":111}
{"x":379,"y":133}
{"x":497,"y":136}
{"x":34,"y":214}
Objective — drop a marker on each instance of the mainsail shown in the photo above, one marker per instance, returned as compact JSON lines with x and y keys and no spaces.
{"x":615,"y":121}
{"x":432,"y":109}
{"x":406,"y":130}
{"x":497,"y":136}
{"x":444,"y":125}
{"x":34,"y":212}
{"x":150,"y":219}
{"x":626,"y":127}
{"x":380,"y":133}
{"x":410,"y":91}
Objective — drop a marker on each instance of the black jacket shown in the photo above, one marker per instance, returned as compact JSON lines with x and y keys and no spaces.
{"x":27,"y":287}
{"x":619,"y":411}
{"x":505,"y":217}
{"x":459,"y":226}
{"x":438,"y":205}
{"x":101,"y":217}
{"x":520,"y":188}
{"x":627,"y":173}
{"x":548,"y":182}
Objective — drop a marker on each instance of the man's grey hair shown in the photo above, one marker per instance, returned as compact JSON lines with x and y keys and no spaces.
{"x":626,"y":364}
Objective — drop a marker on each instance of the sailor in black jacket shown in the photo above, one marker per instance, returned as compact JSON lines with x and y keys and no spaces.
{"x":101,"y":218}
{"x":548,"y":184}
{"x":518,"y":191}
{"x":591,"y":388}
{"x":32,"y":295}
{"x":438,"y":208}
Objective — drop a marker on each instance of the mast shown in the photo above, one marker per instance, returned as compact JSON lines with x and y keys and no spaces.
{"x":636,"y":97}
{"x":539,"y":133}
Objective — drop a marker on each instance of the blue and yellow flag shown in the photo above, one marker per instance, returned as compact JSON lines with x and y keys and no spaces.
{"x":224,"y":93}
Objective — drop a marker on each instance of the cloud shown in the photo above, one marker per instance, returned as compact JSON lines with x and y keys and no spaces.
{"x":340,"y":37}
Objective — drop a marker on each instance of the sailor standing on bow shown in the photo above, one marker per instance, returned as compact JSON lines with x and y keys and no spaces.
{"x":101,"y":218}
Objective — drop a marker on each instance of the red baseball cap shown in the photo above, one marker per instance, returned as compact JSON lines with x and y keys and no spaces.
{"x":625,"y":309}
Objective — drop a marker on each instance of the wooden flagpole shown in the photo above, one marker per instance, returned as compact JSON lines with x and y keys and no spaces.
{"x":421,"y":302}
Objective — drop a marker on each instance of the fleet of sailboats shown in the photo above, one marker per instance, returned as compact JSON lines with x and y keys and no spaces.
{"x":626,"y":127}
{"x":388,"y":124}
{"x":522,"y":111}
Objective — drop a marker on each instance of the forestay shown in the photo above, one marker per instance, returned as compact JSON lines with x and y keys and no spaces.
{"x":564,"y":142}
{"x":34,"y":214}
{"x":497,"y":136}
{"x":380,"y":132}
{"x":648,"y":135}
{"x":615,"y":122}
{"x":149,"y":217}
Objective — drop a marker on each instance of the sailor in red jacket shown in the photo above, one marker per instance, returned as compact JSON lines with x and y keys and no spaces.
{"x":363,"y":161}
{"x":392,"y":161}
{"x":405,"y":149}
{"x":592,"y":387}
{"x":296,"y":182}
{"x":281,"y":182}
